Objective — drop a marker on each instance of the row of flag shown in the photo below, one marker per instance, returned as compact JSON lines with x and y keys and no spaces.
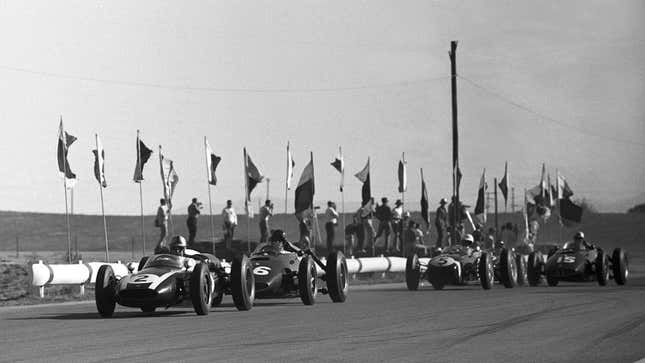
{"x":540,"y":200}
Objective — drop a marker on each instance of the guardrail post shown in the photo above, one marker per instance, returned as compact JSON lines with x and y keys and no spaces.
{"x":382,"y":273}
{"x":353,"y":276}
{"x":41,"y":289}
{"x":82,"y":287}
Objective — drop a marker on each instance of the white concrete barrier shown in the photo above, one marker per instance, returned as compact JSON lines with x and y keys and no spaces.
{"x":70,"y":274}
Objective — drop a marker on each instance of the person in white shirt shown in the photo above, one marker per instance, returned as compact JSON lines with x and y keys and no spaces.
{"x":265,"y":213}
{"x":332,"y":223}
{"x":161,"y":221}
{"x":230,"y":222}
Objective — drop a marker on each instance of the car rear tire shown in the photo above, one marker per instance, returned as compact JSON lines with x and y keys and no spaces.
{"x":307,"y":281}
{"x":105,"y":291}
{"x":200,"y":289}
{"x":552,"y":280}
{"x":602,"y":268}
{"x":620,"y":266}
{"x":337,"y":276}
{"x":413,"y":272}
{"x":486,"y":272}
{"x":507,"y":269}
{"x":242,"y":283}
{"x":533,"y":268}
{"x":522,"y":277}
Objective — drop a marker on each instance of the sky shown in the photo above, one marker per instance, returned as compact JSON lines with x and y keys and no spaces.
{"x":555,"y":82}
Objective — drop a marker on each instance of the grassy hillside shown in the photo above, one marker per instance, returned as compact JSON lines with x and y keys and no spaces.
{"x":47,"y":232}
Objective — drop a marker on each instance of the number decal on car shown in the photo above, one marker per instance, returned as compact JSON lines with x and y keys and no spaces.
{"x":141,"y":279}
{"x":569,"y":259}
{"x":262,"y":270}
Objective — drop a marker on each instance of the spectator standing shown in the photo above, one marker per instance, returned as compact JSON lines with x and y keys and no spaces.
{"x":265,"y":214}
{"x":332,"y":223}
{"x":384,"y":215}
{"x":357,"y":230}
{"x":441,"y":221}
{"x":367,"y":218}
{"x":161,"y":221}
{"x":305,"y":227}
{"x":191,"y":221}
{"x":230,"y":222}
{"x":397,"y":224}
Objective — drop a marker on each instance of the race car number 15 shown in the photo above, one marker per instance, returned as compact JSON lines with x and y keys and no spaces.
{"x":262,"y":270}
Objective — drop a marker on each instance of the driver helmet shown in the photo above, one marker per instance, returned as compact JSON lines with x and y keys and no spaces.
{"x":277,"y":238}
{"x":177,"y":245}
{"x":468,"y":240}
{"x":499,"y":244}
{"x":579,"y":235}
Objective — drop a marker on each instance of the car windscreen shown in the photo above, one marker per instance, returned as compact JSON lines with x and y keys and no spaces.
{"x":168,"y":261}
{"x":571,"y":245}
{"x":265,"y":249}
{"x":453,"y":250}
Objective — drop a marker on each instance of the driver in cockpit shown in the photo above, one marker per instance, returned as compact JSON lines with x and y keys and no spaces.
{"x":579,"y":242}
{"x":278,"y":240}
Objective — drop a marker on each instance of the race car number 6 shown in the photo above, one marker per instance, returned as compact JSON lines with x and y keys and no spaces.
{"x":262,"y":270}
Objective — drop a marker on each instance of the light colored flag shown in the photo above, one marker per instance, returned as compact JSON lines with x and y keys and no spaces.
{"x":212,"y":161}
{"x":562,"y":187}
{"x":99,"y":163}
{"x":305,"y":189}
{"x":403,"y":174}
{"x":169,"y":177}
{"x":290,"y":165}
{"x":65,"y":140}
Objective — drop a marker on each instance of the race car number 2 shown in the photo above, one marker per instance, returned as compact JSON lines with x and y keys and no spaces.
{"x":262,"y":270}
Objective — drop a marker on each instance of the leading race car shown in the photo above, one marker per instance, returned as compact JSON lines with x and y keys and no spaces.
{"x":177,"y":278}
{"x":283,"y":270}
{"x":578,"y":261}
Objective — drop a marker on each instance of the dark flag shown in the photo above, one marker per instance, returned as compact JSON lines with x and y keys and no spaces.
{"x":570,"y":213}
{"x":253,"y":175}
{"x":212,"y":161}
{"x":305,"y":189}
{"x":339,"y":165}
{"x":65,"y":140}
{"x":364,"y":177}
{"x":143,"y":154}
{"x":402,"y":174}
{"x":503,"y":184}
{"x":459,"y":176}
{"x":424,"y":201}
{"x":480,"y":206}
{"x":99,"y":163}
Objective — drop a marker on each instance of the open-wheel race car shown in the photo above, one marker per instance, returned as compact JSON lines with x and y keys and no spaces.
{"x":165,"y":280}
{"x":283,"y":270}
{"x":578,"y":261}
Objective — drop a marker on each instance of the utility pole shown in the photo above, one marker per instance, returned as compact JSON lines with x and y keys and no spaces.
{"x":455,"y":141}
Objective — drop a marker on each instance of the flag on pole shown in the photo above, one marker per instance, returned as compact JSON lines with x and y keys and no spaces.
{"x":458,"y":176}
{"x":212,"y":162}
{"x":364,"y":177}
{"x":169,"y":177}
{"x":143,"y":154}
{"x":253,"y":175}
{"x":480,"y":206}
{"x":290,"y":165}
{"x":65,"y":140}
{"x":570,"y":213}
{"x":339,"y":164}
{"x":99,"y":163}
{"x":550,"y":197}
{"x":562,"y":187}
{"x":504,"y":183}
{"x":424,"y":201}
{"x":305,"y":189}
{"x":402,"y":173}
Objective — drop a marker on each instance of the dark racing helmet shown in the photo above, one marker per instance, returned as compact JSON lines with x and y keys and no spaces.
{"x":277,"y":237}
{"x":579,"y":235}
{"x":177,"y":245}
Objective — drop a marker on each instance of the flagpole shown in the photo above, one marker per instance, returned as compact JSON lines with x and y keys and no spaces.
{"x":69,"y":235}
{"x":342,"y":197}
{"x":100,"y":174}
{"x":313,"y":210}
{"x":139,"y":167}
{"x":286,"y":190}
{"x":496,"y":220}
{"x":557,"y":202}
{"x":246,"y":203}
{"x":210,"y":202}
{"x":507,"y":183}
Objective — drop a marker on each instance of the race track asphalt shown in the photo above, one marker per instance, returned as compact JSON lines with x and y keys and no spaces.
{"x":567,"y":323}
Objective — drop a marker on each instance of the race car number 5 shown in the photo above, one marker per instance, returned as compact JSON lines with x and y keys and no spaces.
{"x":262,"y":270}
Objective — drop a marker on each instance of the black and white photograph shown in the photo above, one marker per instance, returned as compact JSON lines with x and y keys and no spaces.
{"x":325,"y":181}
